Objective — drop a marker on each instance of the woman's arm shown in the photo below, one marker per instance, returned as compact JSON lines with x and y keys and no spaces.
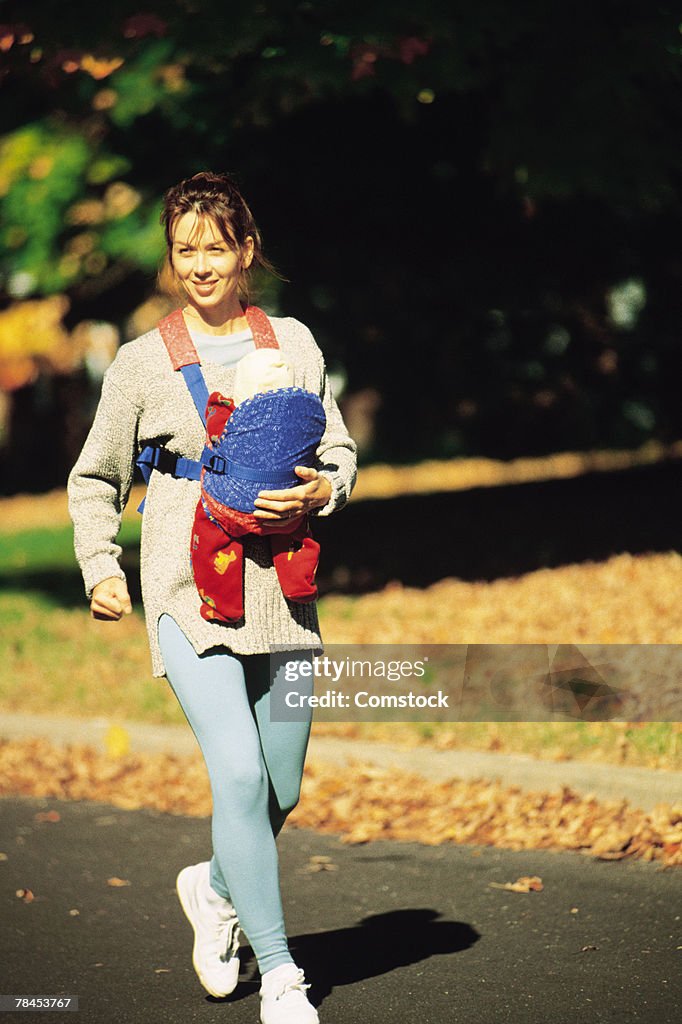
{"x":336,"y":452}
{"x":99,"y":485}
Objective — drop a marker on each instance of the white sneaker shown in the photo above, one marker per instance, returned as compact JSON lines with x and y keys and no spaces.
{"x":283,"y":999}
{"x":216,"y":930}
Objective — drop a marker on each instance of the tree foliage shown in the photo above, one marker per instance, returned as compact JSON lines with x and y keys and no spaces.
{"x":579,"y":102}
{"x":474,"y":180}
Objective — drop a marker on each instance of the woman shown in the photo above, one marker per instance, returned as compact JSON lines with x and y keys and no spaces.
{"x":219,"y":671}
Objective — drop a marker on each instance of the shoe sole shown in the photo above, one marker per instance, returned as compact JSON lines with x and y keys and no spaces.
{"x":183,"y":889}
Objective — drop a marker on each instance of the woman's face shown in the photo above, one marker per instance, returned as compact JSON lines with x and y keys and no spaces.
{"x":207,"y":266}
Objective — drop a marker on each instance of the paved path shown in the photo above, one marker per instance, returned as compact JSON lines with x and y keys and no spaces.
{"x":397,"y":931}
{"x":642,"y":787}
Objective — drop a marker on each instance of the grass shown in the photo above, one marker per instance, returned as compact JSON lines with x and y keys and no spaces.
{"x":652,"y":744}
{"x":60,"y":661}
{"x":54,"y":658}
{"x":30,"y":551}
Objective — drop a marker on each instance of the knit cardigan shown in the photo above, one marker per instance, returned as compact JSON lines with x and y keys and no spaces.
{"x":145,"y":402}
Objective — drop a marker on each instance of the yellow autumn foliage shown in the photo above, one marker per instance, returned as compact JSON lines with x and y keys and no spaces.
{"x":32,"y":334}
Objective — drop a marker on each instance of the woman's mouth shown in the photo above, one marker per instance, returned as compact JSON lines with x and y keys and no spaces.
{"x":204,"y":286}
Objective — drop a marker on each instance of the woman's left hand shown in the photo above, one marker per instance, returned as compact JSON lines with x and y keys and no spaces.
{"x":294,"y":501}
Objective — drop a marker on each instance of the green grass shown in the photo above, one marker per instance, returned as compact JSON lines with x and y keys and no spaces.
{"x":50,"y":549}
{"x":60,"y":661}
{"x":54,"y":658}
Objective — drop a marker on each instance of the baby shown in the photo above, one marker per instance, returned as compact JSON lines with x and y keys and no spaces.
{"x":262,"y":432}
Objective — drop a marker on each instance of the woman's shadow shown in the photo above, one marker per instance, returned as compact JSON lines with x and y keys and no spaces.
{"x":376,"y":945}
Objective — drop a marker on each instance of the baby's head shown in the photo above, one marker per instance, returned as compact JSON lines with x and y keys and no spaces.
{"x":262,"y":370}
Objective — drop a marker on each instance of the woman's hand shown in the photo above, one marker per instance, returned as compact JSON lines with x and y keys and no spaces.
{"x":110,"y":599}
{"x":294,"y":501}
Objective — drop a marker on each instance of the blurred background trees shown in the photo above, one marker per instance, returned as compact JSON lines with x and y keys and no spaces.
{"x":476,"y":206}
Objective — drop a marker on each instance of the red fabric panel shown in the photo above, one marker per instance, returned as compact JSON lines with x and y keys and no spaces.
{"x":261,"y":328}
{"x":178,"y":340}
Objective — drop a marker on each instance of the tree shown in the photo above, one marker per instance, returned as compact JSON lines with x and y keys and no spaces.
{"x":467,"y":132}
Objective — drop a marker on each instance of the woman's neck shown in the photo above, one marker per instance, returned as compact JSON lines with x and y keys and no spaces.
{"x":218,"y":321}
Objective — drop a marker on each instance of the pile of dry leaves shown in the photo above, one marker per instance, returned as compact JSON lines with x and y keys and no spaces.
{"x":359,"y":803}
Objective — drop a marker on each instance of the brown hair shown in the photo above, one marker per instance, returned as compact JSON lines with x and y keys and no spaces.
{"x":216,"y":196}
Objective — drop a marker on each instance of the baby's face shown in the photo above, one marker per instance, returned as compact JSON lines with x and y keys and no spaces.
{"x":262,"y":370}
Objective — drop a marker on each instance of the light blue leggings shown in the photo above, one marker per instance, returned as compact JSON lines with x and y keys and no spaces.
{"x":255,"y":768}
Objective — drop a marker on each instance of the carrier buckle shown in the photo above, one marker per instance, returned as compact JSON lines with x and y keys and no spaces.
{"x":216,"y":463}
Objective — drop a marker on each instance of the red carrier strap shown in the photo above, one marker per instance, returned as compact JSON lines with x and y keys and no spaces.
{"x":261,"y":328}
{"x":178,"y":340}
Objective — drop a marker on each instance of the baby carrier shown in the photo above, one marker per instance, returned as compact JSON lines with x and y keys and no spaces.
{"x":249,"y":447}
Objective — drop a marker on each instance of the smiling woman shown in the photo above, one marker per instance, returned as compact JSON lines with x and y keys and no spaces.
{"x":219,"y":669}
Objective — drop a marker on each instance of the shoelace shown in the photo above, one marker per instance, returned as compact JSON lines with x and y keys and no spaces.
{"x":227,"y":934}
{"x":229,"y":939}
{"x":296,"y":984}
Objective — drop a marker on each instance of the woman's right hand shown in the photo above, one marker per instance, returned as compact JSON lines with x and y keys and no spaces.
{"x":110,"y":599}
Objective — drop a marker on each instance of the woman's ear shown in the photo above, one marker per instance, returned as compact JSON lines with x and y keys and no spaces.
{"x":247,"y":251}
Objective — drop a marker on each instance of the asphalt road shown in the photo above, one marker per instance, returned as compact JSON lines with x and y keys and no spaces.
{"x":396,"y":931}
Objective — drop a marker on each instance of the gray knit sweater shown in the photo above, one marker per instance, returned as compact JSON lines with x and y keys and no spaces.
{"x":144,"y":401}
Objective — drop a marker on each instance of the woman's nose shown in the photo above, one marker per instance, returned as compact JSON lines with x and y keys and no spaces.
{"x":201,"y":262}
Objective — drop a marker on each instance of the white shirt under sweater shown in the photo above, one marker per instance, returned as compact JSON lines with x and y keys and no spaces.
{"x":224,"y":349}
{"x":145,"y":402}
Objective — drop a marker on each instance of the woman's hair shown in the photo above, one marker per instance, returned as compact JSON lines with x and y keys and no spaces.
{"x":216,"y":196}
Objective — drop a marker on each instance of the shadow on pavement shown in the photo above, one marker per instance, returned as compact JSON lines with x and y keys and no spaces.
{"x":377,"y":945}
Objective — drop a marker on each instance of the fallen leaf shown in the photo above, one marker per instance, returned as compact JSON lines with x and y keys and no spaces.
{"x":117,"y":741}
{"x":47,"y":816}
{"x":319,"y":862}
{"x":115,"y":882}
{"x":523,"y":884}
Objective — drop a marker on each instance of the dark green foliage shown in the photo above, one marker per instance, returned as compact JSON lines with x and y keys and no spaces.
{"x":453,"y":190}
